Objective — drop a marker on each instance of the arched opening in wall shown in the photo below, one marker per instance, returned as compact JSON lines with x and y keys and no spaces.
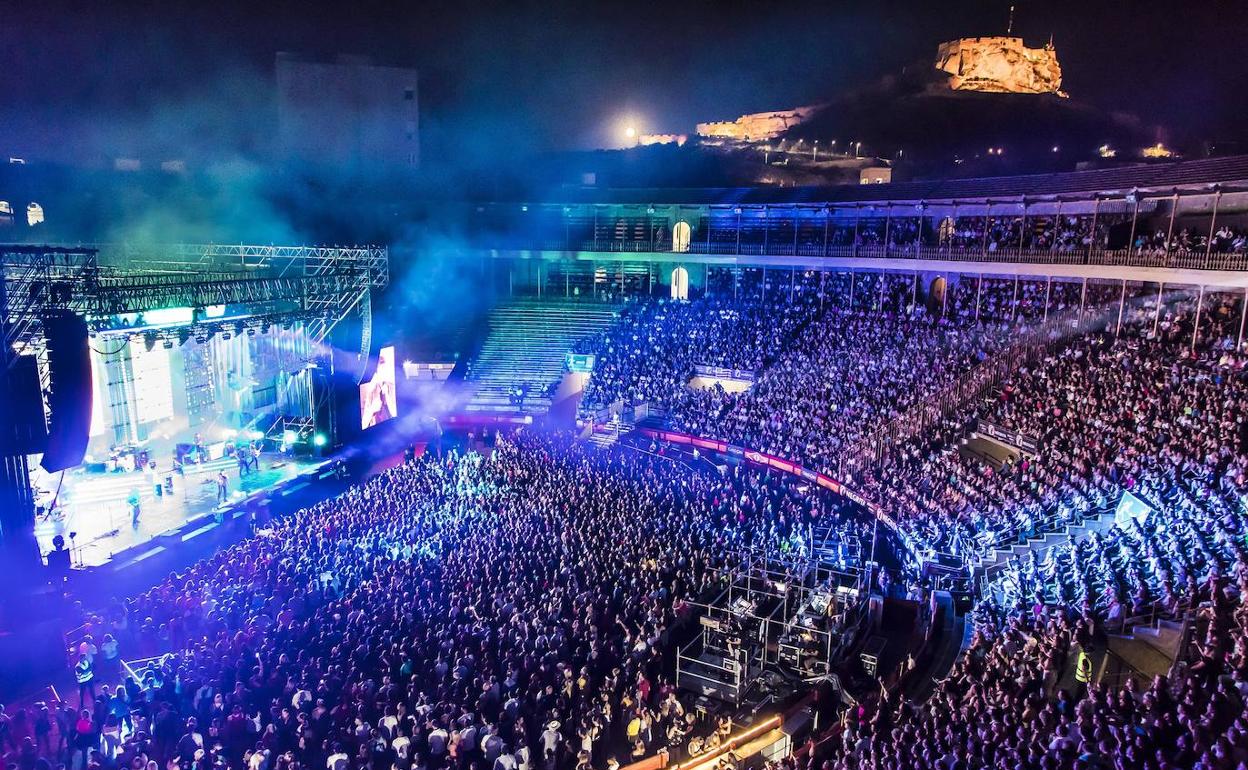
{"x":936,"y":294}
{"x":681,"y":234}
{"x":680,"y":283}
{"x":945,"y":231}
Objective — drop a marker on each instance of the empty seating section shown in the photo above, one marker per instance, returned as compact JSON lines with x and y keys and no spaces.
{"x":523,"y":356}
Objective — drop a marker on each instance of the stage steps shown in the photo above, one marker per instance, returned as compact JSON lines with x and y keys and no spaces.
{"x":526,"y":347}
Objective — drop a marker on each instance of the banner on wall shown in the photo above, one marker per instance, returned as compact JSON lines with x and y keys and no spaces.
{"x":724,"y":374}
{"x":1014,"y":438}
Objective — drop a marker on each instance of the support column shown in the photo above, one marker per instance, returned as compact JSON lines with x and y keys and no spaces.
{"x":1174,"y":207}
{"x":1196,"y":325}
{"x":738,"y":251}
{"x":857,"y":217}
{"x":918,"y":244}
{"x":1022,"y":227}
{"x":983,"y":246}
{"x":888,"y":225}
{"x":792,"y":282}
{"x":1058,"y":224}
{"x":827,"y":225}
{"x":953,"y":233}
{"x":1243,"y":311}
{"x":766,"y":232}
{"x":1048,"y":290}
{"x":1096,"y":209}
{"x":823,"y":275}
{"x":1122,"y":303}
{"x":1083,"y":298}
{"x":914,"y":293}
{"x":851,"y":288}
{"x":1135,"y":218}
{"x":1014,"y":307}
{"x":1157,"y":307}
{"x":979,"y":290}
{"x":1213,"y":221}
{"x":944,"y":297}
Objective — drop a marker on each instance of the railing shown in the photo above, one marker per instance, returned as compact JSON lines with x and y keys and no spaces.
{"x":785,"y":466}
{"x":1175,"y":259}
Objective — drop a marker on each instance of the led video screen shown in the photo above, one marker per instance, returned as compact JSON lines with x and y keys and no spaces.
{"x":377,"y":395}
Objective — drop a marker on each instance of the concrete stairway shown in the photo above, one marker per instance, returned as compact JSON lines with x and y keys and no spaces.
{"x":526,"y":347}
{"x":1150,"y":650}
{"x":604,"y":436}
{"x":953,"y":638}
{"x":1042,"y":542}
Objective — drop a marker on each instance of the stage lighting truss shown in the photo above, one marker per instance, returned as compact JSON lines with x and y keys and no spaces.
{"x":313,"y":286}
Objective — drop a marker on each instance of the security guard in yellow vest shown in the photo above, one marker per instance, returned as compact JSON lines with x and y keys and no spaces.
{"x":1083,"y":673}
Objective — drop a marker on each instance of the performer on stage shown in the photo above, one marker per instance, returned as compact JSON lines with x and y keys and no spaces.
{"x":223,"y":488}
{"x":134,"y":500}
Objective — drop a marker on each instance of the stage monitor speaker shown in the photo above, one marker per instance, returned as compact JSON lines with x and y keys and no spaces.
{"x":21,"y":409}
{"x":69,"y":368}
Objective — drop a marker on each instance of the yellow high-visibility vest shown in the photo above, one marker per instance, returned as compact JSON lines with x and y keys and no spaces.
{"x":1083,"y":668}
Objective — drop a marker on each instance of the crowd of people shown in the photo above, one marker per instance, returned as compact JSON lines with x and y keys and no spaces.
{"x":851,"y":373}
{"x":1002,"y":706}
{"x":657,"y":344}
{"x":505,"y":612}
{"x":519,"y":608}
{"x":1152,"y":401}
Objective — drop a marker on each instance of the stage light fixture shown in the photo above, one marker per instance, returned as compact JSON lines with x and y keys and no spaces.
{"x":319,"y":439}
{"x":149,"y":341}
{"x":168,"y":343}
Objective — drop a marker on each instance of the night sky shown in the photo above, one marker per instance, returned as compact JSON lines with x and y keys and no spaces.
{"x":88,"y":80}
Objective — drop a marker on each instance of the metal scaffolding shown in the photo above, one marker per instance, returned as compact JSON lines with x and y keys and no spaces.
{"x":319,"y":285}
{"x":316,"y":286}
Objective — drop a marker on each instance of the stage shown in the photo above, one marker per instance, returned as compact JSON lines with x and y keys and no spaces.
{"x":95,"y":506}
